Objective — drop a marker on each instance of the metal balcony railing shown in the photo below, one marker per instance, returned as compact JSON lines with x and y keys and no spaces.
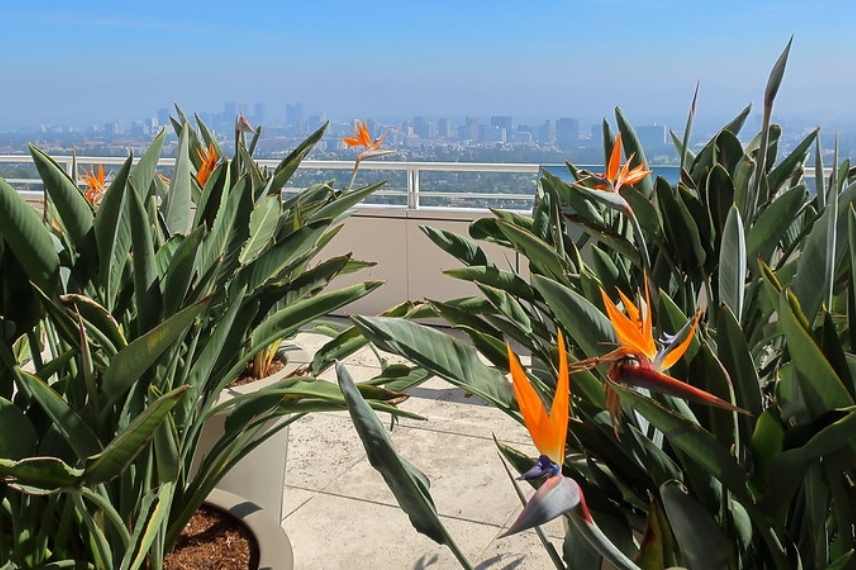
{"x":405,"y":189}
{"x":435,"y":186}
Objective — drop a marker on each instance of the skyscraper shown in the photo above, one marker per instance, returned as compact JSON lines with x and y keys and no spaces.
{"x":470,"y":129}
{"x":259,"y":113}
{"x":423,"y":127}
{"x":547,"y":133}
{"x":314,"y":122}
{"x":230,"y":110}
{"x":651,"y":137}
{"x":502,"y":122}
{"x":294,"y":117}
{"x":567,"y":132}
{"x":444,"y":128}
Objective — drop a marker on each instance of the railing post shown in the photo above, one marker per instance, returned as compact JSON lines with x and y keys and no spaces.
{"x":413,"y":188}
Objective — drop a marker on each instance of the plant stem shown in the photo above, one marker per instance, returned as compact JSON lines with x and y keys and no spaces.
{"x":110,"y":512}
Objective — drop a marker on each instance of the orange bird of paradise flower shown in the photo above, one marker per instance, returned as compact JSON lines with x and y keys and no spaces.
{"x":362,"y":138}
{"x":94,"y":181}
{"x":641,"y":361}
{"x":557,"y":494}
{"x":618,"y":175}
{"x":207,"y":161}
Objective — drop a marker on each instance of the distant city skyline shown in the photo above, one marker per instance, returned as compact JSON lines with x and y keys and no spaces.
{"x":81,"y":63}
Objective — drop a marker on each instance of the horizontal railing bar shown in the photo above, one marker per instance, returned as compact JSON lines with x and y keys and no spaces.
{"x":485,"y":195}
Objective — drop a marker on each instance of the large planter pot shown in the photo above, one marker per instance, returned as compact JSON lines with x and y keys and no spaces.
{"x":260,"y":475}
{"x":274,"y":547}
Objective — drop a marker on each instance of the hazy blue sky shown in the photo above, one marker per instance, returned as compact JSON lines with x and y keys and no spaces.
{"x":83,"y":61}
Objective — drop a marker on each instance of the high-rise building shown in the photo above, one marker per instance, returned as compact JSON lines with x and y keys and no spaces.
{"x":444,"y":128}
{"x":651,"y":136}
{"x":547,"y":133}
{"x":163,"y":116}
{"x":491,"y":134}
{"x":470,"y":129}
{"x":423,"y":127}
{"x":230,"y":110}
{"x":259,"y":113}
{"x":596,"y":133}
{"x":521,"y":137}
{"x":567,"y":132}
{"x":502,"y":122}
{"x":314,"y":122}
{"x":294,"y":117}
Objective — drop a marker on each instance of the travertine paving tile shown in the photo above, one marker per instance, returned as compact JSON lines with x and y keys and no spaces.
{"x":337,"y":533}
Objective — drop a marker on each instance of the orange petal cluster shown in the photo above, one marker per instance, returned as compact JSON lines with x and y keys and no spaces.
{"x":618,"y":175}
{"x":548,"y":430}
{"x":362,"y":138}
{"x":639,"y":361}
{"x":207,"y":161}
{"x":94,"y":181}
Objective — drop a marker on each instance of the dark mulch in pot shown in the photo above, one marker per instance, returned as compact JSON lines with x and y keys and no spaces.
{"x":214,"y":540}
{"x":247,"y":378}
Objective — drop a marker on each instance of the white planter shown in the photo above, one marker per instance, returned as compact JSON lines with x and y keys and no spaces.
{"x":274,"y":547}
{"x":260,"y":475}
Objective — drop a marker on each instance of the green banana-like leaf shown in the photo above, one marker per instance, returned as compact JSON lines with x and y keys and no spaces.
{"x":701,"y":542}
{"x":633,"y":147}
{"x":290,"y":163}
{"x":98,"y":316}
{"x":74,"y":211}
{"x":461,"y":248}
{"x":143,"y":172}
{"x":113,"y":233}
{"x":492,"y":276}
{"x":733,"y":352}
{"x":788,"y":467}
{"x":77,"y":433}
{"x":344,"y":202}
{"x":681,"y":230}
{"x":148,"y":526}
{"x":408,"y":485}
{"x":772,"y":223}
{"x":285,"y":321}
{"x":180,"y":272}
{"x":452,"y":360}
{"x":277,"y":258}
{"x":18,"y":437}
{"x":732,"y":264}
{"x":773,"y":84}
{"x":177,"y":210}
{"x":263,"y":225}
{"x":44,"y":473}
{"x":784,"y":170}
{"x":580,"y":318}
{"x":697,"y":443}
{"x":28,"y":239}
{"x":541,"y":255}
{"x":146,"y":289}
{"x":136,"y":358}
{"x":119,"y":452}
{"x":349,"y":339}
{"x":814,"y":369}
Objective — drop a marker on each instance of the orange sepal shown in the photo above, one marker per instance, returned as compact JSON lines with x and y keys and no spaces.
{"x":628,"y":331}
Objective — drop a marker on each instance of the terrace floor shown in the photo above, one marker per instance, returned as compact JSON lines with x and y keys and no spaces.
{"x":339,"y":513}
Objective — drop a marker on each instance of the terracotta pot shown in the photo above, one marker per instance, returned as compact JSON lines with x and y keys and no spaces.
{"x":274,"y":547}
{"x":260,"y":475}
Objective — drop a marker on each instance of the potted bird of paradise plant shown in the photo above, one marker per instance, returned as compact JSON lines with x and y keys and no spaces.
{"x":127,"y":323}
{"x":718,"y":432}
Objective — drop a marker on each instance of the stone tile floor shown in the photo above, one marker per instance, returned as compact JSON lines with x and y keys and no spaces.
{"x":339,"y":513}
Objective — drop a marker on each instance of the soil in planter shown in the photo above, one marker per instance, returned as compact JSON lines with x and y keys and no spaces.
{"x":247,"y":378}
{"x":214,"y":540}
